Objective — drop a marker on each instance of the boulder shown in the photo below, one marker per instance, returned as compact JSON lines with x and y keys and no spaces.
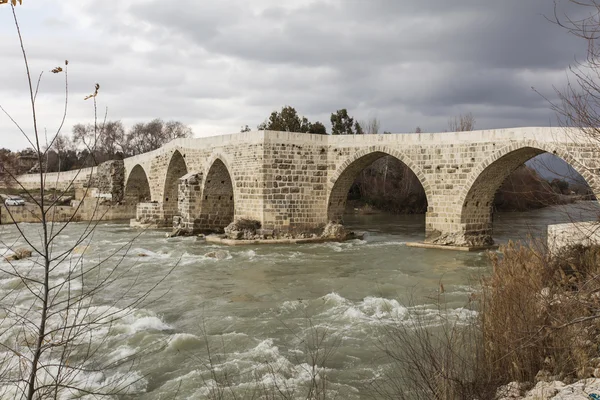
{"x":459,"y":239}
{"x":218,"y":255}
{"x":333,"y":230}
{"x":176,"y":232}
{"x":545,"y":390}
{"x":509,"y":391}
{"x":18,"y":254}
{"x":551,"y":390}
{"x":64,"y":200}
{"x":265,"y":232}
{"x":242,"y":229}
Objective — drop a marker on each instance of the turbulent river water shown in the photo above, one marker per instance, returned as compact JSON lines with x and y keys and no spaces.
{"x":255,"y":317}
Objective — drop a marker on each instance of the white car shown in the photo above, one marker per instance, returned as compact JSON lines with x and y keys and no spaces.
{"x":14,"y":201}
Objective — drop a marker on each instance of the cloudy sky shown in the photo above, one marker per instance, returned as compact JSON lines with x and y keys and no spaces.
{"x":220,"y":64}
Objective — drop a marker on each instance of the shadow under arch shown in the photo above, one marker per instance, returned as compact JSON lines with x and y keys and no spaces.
{"x":137,"y":188}
{"x":176,"y":169}
{"x":344,"y":177}
{"x":217,"y":207}
{"x":477,"y":197}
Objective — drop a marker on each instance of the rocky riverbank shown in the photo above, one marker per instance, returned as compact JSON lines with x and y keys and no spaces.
{"x":584,"y":389}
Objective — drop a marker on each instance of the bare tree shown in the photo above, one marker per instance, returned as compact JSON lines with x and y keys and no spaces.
{"x":371,"y":126}
{"x":107,"y":138}
{"x":52,"y":330}
{"x":578,"y":104}
{"x":462,"y":123}
{"x":145,"y":137}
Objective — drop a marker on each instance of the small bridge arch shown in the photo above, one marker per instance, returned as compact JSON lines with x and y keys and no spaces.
{"x":137,"y":186}
{"x":176,"y":169}
{"x":217,"y":205}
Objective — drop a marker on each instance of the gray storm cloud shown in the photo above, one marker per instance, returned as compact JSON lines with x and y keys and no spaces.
{"x":220,"y":65}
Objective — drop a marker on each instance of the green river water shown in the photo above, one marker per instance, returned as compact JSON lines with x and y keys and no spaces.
{"x":257,"y":309}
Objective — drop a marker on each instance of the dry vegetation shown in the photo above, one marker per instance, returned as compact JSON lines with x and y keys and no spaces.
{"x":540,"y":314}
{"x":538,"y":319}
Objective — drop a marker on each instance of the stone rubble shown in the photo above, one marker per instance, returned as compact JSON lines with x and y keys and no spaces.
{"x":18,"y":254}
{"x":553,"y":390}
{"x":243,"y":229}
{"x":334,"y":230}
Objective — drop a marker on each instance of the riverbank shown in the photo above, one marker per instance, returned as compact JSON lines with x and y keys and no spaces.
{"x":535,"y":333}
{"x":584,"y":389}
{"x":87,"y":210}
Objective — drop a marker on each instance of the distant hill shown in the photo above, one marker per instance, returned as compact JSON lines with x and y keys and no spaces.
{"x":550,"y":167}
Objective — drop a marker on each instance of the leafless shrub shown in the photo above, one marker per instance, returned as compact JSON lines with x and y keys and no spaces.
{"x":462,"y":123}
{"x":371,"y":126}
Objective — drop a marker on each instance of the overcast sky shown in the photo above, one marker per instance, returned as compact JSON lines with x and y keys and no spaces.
{"x":220,"y":64}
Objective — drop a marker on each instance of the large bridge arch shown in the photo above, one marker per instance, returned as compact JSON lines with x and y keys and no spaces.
{"x":217,"y":206}
{"x":137,"y":186}
{"x":342,"y":179}
{"x":475,"y":201}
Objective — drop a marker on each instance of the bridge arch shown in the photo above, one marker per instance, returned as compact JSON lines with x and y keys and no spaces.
{"x":217,"y":208}
{"x":345,"y":175}
{"x":176,"y":169}
{"x":137,"y":188}
{"x":477,"y":195}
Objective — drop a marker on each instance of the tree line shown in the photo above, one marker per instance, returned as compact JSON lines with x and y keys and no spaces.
{"x":91,"y":144}
{"x":288,"y":120}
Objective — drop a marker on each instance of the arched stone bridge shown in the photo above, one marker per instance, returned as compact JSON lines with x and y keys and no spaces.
{"x":296,"y":182}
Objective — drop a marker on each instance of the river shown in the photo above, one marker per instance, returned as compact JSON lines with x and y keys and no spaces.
{"x":258,"y":311}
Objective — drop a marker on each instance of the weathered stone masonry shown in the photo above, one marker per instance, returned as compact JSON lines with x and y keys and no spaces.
{"x":294,"y":182}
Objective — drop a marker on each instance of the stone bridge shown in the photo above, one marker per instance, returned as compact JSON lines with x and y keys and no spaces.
{"x":295,"y":182}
